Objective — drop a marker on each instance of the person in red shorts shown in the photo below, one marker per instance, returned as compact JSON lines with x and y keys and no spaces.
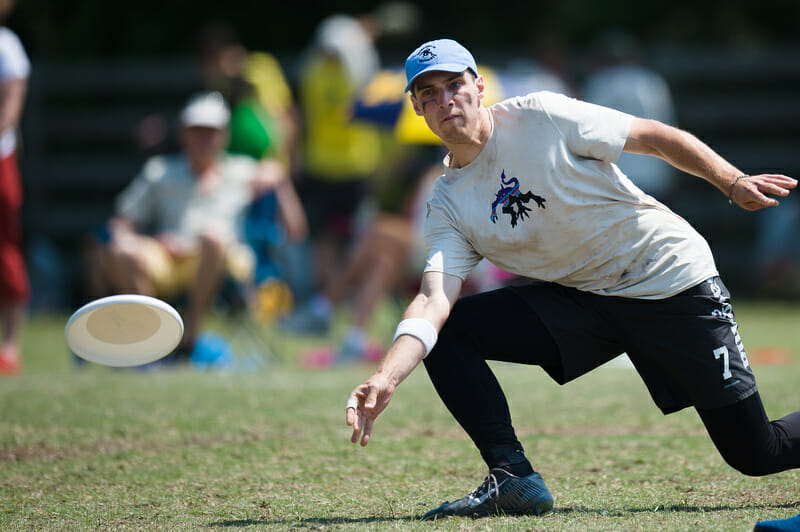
{"x":14,"y":287}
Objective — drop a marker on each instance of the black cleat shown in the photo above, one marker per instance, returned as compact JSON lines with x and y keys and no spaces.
{"x":500,"y":493}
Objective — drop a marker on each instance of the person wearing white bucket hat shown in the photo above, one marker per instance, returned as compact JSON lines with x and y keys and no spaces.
{"x":177,"y":225}
{"x":206,"y":110}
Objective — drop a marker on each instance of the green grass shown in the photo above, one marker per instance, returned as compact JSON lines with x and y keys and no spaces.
{"x":96,"y":448}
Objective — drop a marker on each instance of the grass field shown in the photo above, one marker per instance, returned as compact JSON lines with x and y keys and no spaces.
{"x":95,"y":448}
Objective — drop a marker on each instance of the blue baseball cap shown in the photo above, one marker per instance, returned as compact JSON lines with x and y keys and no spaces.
{"x":445,"y":55}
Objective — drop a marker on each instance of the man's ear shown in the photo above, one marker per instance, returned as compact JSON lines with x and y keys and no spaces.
{"x":481,"y":87}
{"x":417,"y":109}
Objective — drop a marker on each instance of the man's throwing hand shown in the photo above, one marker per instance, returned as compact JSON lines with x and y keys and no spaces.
{"x":365,"y":404}
{"x":750,"y":192}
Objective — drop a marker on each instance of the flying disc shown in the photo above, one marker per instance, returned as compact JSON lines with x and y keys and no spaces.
{"x":124,"y":330}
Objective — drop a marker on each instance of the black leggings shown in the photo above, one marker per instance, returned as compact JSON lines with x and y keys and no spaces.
{"x":506,"y":329}
{"x":749,"y":441}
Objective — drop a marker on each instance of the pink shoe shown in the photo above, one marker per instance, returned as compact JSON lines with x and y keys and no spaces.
{"x":10,"y":363}
{"x":373,"y":352}
{"x":320,"y":358}
{"x":326,"y":357}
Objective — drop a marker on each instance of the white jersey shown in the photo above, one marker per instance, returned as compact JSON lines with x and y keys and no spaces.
{"x":14,"y":64}
{"x":544,"y":200}
{"x":164,"y":197}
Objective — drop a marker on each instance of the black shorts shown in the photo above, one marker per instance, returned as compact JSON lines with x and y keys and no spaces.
{"x":686,"y":348}
{"x":331,"y":206}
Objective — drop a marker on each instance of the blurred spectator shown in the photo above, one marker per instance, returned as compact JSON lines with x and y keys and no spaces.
{"x":383,"y":260}
{"x":178,"y":227}
{"x":339,"y":156}
{"x":269,"y":113}
{"x":619,"y":79}
{"x":264,"y":117}
{"x":350,"y":150}
{"x":262,"y":126}
{"x":279,"y":247}
{"x":14,"y":285}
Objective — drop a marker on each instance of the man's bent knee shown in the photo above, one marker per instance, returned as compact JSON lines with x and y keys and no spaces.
{"x":753,"y":465}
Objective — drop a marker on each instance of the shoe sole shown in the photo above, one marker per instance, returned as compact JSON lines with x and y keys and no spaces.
{"x":543,"y":507}
{"x":538,"y":509}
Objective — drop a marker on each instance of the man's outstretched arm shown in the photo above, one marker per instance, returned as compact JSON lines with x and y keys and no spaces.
{"x":686,"y":152}
{"x":437,"y":295}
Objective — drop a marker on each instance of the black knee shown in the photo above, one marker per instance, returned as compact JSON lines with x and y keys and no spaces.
{"x":752,"y":466}
{"x":746,"y":439}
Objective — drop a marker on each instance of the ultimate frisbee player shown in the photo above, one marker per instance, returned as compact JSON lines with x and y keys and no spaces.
{"x":530,"y":184}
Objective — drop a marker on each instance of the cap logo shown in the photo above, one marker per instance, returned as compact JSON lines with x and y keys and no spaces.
{"x":426,"y":54}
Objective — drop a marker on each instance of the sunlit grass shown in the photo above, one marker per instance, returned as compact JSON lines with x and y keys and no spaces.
{"x":94,"y":448}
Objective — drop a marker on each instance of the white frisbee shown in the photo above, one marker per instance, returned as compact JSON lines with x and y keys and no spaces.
{"x":124,"y":330}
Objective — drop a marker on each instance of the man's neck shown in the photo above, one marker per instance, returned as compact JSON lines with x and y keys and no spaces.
{"x":465,"y":151}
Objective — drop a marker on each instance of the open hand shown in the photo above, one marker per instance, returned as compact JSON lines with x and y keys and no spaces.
{"x":750,"y":193}
{"x":365,"y":403}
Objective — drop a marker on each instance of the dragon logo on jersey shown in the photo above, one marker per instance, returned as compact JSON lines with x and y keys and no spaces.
{"x":512,"y":202}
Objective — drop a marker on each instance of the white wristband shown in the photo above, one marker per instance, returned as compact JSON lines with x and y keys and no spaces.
{"x":419,"y":328}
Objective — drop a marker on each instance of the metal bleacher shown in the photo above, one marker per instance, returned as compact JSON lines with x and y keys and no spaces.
{"x":80,"y":149}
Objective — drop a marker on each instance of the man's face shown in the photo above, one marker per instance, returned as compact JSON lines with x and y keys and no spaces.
{"x":449,"y":102}
{"x":203,"y":144}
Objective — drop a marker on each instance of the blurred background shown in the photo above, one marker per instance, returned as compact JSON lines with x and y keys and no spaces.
{"x":108,"y":79}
